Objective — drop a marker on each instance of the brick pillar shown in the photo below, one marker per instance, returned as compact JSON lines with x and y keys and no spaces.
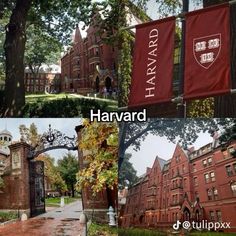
{"x":19,"y":187}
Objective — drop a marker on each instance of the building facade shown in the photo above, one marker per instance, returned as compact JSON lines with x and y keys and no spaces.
{"x":42,"y":82}
{"x":90,"y":65}
{"x":46,"y":78}
{"x":192,"y":185}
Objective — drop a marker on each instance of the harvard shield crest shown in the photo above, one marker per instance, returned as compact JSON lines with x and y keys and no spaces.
{"x":207,"y":49}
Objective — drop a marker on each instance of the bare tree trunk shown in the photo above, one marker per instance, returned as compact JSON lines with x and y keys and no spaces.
{"x":225,"y":106}
{"x":14,"y":47}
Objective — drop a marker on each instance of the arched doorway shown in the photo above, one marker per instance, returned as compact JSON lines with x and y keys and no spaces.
{"x":186,"y":214}
{"x":108,"y":84}
{"x":141,"y":219}
{"x":97,"y":84}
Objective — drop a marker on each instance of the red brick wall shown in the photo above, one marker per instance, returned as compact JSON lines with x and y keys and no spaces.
{"x":15,"y":194}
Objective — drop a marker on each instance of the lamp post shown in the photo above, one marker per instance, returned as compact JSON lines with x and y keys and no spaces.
{"x":181,"y":105}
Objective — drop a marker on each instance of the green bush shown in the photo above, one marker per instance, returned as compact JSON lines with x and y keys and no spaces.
{"x":101,"y":230}
{"x":66,"y":107}
{"x":5,"y":216}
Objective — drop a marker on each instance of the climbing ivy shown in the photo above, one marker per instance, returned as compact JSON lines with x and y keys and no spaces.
{"x":126,"y":40}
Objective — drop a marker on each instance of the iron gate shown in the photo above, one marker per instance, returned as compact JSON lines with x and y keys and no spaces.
{"x":37,"y":193}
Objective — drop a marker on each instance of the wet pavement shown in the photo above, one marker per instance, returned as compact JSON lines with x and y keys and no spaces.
{"x":42,"y":227}
{"x":70,"y":211}
{"x":63,"y":221}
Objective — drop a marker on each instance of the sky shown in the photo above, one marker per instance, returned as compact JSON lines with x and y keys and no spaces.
{"x":154,"y":146}
{"x":153,"y":8}
{"x":66,"y":126}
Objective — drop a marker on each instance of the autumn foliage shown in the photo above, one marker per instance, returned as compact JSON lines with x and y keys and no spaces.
{"x":99,"y":143}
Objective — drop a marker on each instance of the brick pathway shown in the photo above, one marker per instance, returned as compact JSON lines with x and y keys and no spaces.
{"x":42,"y":227}
{"x":58,"y":222}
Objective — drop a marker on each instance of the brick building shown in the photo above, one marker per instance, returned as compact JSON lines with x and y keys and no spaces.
{"x":192,"y":185}
{"x":47,"y":79}
{"x":90,"y":64}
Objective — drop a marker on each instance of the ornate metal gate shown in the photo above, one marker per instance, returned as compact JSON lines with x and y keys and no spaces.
{"x":37,"y":194}
{"x":50,"y":140}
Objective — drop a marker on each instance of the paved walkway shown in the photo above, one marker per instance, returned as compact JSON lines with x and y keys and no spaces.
{"x":62,"y":221}
{"x":70,"y":211}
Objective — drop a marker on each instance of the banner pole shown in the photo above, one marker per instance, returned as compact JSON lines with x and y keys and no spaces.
{"x":181,"y":106}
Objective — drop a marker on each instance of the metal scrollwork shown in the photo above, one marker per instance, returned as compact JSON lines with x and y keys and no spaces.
{"x":53,"y":139}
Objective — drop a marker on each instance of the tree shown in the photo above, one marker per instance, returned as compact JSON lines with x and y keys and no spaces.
{"x":127,"y":173}
{"x":14,"y":48}
{"x":68,"y":168}
{"x":3,"y":22}
{"x":57,"y":18}
{"x":228,"y":135}
{"x":52,"y":173}
{"x":100,"y":142}
{"x":29,"y":135}
{"x":185,"y":131}
{"x":47,"y":51}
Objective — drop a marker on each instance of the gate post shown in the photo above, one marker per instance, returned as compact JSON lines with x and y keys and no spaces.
{"x":17,"y":190}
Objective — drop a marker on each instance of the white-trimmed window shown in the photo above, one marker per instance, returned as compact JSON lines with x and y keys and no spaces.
{"x":212,"y":174}
{"x":207,"y":179}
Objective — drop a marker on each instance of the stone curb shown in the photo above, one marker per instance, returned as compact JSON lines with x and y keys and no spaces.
{"x":9,"y":222}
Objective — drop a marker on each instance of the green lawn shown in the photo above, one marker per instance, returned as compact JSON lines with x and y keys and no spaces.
{"x":31,"y":98}
{"x":55,"y":202}
{"x":139,"y":232}
{"x":43,"y":97}
{"x":5,"y":216}
{"x":146,"y":232}
{"x":196,"y":233}
{"x":102,"y":230}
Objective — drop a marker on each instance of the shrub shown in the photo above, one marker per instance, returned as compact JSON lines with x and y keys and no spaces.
{"x":5,"y":216}
{"x":65,"y":107}
{"x":101,"y":230}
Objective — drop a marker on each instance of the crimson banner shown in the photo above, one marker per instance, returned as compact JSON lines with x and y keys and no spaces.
{"x":207,"y":52}
{"x":153,"y":63}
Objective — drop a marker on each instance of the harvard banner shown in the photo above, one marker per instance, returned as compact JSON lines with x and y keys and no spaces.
{"x":207,"y":52}
{"x":153,"y":63}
